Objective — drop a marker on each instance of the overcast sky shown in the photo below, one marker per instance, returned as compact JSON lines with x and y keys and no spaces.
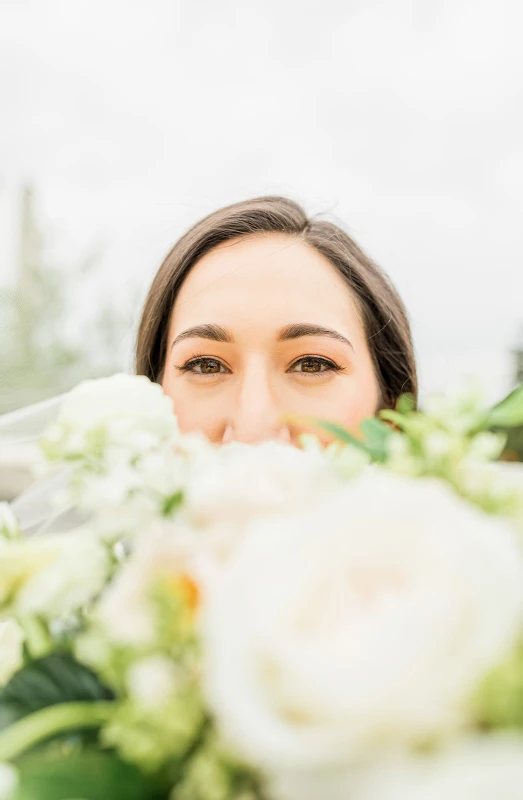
{"x":134,"y":118}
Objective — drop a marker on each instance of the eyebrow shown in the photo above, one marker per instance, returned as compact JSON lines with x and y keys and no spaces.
{"x":288,"y":332}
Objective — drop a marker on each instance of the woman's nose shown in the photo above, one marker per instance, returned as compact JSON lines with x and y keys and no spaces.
{"x":256,"y":413}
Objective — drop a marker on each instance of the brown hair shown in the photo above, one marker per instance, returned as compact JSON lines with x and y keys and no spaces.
{"x":383,"y":314}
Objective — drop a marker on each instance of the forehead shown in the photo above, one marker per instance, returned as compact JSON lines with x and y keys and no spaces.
{"x":274,"y":278}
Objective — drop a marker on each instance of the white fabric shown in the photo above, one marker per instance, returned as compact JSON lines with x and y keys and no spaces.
{"x":33,"y":507}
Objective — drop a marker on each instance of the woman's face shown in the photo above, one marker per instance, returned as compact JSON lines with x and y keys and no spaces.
{"x":264,"y":326}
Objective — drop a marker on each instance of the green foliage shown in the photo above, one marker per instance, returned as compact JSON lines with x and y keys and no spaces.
{"x":499,"y":703}
{"x":375,"y":436}
{"x":451,"y":439}
{"x":155,"y":737}
{"x":509,"y":412}
{"x":212,"y":774}
{"x":88,"y":774}
{"x":39,"y":359}
{"x":54,"y":679}
{"x":514,"y":443}
{"x":172,"y":503}
{"x":406,"y":403}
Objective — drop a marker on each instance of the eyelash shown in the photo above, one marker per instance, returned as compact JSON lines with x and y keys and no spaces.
{"x":331,"y":366}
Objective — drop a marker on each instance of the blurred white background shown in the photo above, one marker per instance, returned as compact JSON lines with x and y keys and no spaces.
{"x":131,"y":119}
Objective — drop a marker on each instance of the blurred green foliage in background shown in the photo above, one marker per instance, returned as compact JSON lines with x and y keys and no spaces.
{"x":44,"y":350}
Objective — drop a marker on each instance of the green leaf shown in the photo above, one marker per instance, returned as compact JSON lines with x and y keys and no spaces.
{"x":374,"y":430}
{"x":509,"y":412}
{"x":376,"y":433}
{"x":87,"y":774}
{"x":396,"y":417}
{"x":171,"y":503}
{"x":405,"y":404}
{"x":57,"y":678}
{"x":341,"y":433}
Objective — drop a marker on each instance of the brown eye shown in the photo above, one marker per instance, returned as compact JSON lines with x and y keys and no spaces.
{"x":203,"y":366}
{"x":314,"y":366}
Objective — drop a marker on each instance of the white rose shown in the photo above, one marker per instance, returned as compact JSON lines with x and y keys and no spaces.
{"x":475,"y":768}
{"x":360,"y":624}
{"x":11,"y":649}
{"x":52,"y":575}
{"x":487,"y":768}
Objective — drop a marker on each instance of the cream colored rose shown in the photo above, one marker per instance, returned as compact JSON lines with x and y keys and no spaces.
{"x":479,"y":768}
{"x":469,"y":768}
{"x":361,"y":624}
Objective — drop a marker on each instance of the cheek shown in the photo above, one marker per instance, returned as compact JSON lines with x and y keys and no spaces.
{"x":193,"y":412}
{"x":354,"y":402}
{"x":347,"y":403}
{"x":168,"y":387}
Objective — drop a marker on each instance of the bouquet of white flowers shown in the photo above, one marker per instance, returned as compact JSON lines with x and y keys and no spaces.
{"x":263,"y":622}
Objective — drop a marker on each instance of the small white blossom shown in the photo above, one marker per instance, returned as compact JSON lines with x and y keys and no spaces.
{"x":151,"y":681}
{"x":240,"y":482}
{"x":125,"y":612}
{"x":461,"y":411}
{"x":125,"y":404}
{"x":438,"y":444}
{"x":487,"y":446}
{"x":52,"y":575}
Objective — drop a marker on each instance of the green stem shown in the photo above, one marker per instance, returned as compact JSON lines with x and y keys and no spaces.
{"x":46,"y":722}
{"x":37,"y":638}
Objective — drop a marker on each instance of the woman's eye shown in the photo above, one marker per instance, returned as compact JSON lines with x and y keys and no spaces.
{"x":314,"y":366}
{"x":204,"y":366}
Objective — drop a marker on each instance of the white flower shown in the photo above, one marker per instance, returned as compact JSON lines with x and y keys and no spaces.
{"x":8,"y":781}
{"x":8,"y":522}
{"x":11,"y":649}
{"x":240,"y":482}
{"x":127,"y":403}
{"x":461,"y":411}
{"x":487,"y":446}
{"x":362,"y":624}
{"x":52,"y":575}
{"x":488,"y":768}
{"x":125,"y":610}
{"x":439,"y":444}
{"x":475,"y":768}
{"x":152,"y":681}
{"x":106,"y":419}
{"x":346,"y":460}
